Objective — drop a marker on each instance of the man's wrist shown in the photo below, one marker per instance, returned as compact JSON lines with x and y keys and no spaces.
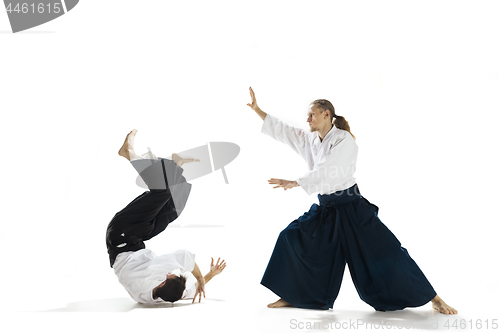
{"x":261,"y":113}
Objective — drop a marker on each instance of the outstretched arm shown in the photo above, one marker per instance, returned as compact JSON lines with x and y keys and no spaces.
{"x":255,"y":107}
{"x":200,"y":285}
{"x":214,"y":270}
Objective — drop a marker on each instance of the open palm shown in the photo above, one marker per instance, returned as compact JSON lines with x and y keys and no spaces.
{"x":218,"y":267}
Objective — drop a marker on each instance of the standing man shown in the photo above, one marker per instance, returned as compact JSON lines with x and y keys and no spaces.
{"x":146,"y":277}
{"x":308,"y":261}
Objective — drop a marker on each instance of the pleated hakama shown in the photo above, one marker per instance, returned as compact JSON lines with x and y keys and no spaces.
{"x":308,"y":261}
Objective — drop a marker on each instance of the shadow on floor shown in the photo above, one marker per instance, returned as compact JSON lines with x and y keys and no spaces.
{"x":119,"y":305}
{"x":409,"y":319}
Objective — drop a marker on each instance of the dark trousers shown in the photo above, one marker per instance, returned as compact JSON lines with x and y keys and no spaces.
{"x":308,"y":261}
{"x":151,"y":212}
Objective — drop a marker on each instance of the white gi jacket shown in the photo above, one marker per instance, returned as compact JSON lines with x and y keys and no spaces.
{"x":141,"y":271}
{"x":332,"y":162}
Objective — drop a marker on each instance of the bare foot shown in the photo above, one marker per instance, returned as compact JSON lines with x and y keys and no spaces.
{"x":127,"y":150}
{"x":181,"y":160}
{"x":439,"y":305}
{"x":279,"y":304}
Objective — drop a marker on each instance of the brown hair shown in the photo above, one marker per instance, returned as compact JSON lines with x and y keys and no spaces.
{"x":340,"y":121}
{"x":172,"y":290}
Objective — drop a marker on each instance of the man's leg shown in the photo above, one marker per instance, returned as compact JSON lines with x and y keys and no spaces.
{"x":127,"y":149}
{"x":385,"y":275}
{"x":305,"y":271}
{"x":135,"y":222}
{"x":179,"y":190}
{"x":151,"y":212}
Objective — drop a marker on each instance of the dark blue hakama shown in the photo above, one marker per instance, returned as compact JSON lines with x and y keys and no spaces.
{"x":308,"y":261}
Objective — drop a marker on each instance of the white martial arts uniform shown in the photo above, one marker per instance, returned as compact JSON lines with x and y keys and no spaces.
{"x":332,"y":162}
{"x":141,"y":271}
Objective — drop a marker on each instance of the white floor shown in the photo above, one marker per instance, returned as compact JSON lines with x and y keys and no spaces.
{"x":87,"y":296}
{"x":234,"y":303}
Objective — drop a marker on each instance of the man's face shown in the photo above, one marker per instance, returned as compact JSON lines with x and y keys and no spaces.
{"x":316,"y":118}
{"x":170,"y":276}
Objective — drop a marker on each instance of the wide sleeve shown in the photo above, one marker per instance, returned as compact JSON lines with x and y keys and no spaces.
{"x":190,"y":291}
{"x":185,"y":259}
{"x":294,"y":137}
{"x":335,"y":171}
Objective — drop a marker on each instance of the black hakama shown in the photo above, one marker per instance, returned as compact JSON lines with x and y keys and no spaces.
{"x":152,"y":211}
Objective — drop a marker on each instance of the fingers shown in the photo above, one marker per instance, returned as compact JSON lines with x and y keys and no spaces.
{"x":274,"y":181}
{"x":202,"y":291}
{"x":252,"y":95}
{"x":198,"y":292}
{"x":222,"y":265}
{"x":219,"y":266}
{"x":212,"y":263}
{"x":286,"y":184}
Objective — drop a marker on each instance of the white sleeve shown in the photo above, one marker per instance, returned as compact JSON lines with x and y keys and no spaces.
{"x":185,"y":260}
{"x":294,"y":137}
{"x":335,"y":172}
{"x":190,"y":291}
{"x":147,"y":298}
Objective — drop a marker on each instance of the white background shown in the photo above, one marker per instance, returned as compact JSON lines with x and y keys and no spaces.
{"x":417,"y":81}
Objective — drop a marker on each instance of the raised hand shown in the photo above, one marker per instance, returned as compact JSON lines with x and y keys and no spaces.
{"x":217,"y":268}
{"x":253,"y":105}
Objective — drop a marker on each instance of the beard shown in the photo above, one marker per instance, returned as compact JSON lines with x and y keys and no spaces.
{"x":313,"y":129}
